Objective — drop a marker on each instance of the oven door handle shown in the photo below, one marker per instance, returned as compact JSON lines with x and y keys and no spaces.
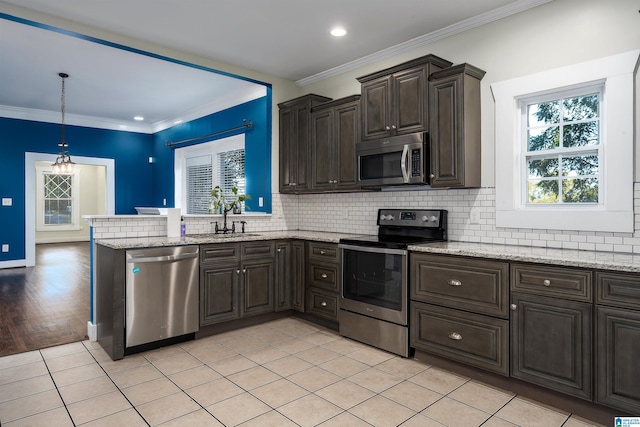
{"x":403,"y":163}
{"x":374,"y":250}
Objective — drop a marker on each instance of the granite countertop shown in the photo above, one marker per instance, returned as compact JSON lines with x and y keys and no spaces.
{"x":203,"y":239}
{"x":561,"y":257}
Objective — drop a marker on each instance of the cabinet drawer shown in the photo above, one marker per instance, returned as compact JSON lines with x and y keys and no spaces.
{"x":325,"y":252}
{"x":265,"y":249}
{"x":220,"y":252}
{"x":618,"y":289}
{"x":324,"y":304}
{"x":561,"y":282}
{"x":324,"y":276}
{"x":477,"y":340}
{"x":475,"y":285}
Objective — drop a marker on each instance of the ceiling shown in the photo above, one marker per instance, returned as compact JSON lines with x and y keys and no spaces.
{"x":285,"y":38}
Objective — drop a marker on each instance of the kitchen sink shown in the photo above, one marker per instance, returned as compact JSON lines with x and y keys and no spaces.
{"x":221,"y":236}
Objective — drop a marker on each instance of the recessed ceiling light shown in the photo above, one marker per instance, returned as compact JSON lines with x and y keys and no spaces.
{"x":138,"y":118}
{"x":338,"y":32}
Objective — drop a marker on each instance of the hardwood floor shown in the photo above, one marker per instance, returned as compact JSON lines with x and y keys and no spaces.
{"x":48,"y":304}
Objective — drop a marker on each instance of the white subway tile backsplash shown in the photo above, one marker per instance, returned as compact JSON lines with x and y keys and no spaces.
{"x":356,"y":213}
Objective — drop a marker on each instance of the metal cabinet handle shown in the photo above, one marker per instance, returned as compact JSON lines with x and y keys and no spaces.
{"x":513,"y":307}
{"x":323,"y":275}
{"x":393,"y":126}
{"x":455,"y":336}
{"x":244,"y":270}
{"x":279,"y":250}
{"x":546,"y":282}
{"x":431,"y":176}
{"x":322,"y":252}
{"x":323,"y":303}
{"x":387,"y":127}
{"x":237,"y":271}
{"x":454,"y":282}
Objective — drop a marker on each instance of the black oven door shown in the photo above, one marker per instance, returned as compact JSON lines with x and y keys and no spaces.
{"x":374,"y":282}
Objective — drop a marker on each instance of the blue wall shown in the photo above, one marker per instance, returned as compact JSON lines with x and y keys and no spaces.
{"x":138,"y":183}
{"x":257,"y":150}
{"x":129,"y":150}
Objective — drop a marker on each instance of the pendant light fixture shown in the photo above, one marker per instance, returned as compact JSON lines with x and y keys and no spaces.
{"x":63,"y":164}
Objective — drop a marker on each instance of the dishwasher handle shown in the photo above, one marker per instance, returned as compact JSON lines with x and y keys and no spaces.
{"x":178,"y":257}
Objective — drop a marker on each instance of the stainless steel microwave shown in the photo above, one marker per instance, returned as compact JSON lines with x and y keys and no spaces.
{"x":395,"y":160}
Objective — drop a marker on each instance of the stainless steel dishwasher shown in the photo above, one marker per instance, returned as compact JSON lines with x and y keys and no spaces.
{"x":162,"y":289}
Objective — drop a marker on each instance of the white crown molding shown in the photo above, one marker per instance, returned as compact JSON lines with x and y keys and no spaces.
{"x":71,"y":119}
{"x":245,"y":94}
{"x":459,"y":27}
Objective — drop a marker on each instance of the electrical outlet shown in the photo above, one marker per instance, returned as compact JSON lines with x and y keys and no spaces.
{"x":260,"y":201}
{"x":474,"y":216}
{"x":5,"y":247}
{"x":164,"y":202}
{"x":7,"y":201}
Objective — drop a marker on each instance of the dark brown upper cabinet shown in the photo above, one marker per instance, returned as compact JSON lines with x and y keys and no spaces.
{"x":395,"y":100}
{"x":295,"y":142}
{"x":335,"y":130}
{"x":454,"y":126}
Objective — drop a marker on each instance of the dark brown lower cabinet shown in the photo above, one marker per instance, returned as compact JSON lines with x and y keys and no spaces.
{"x":236,"y":280}
{"x":618,"y":349}
{"x":551,"y":343}
{"x":283,"y":276}
{"x":219,"y":294}
{"x":474,"y":339}
{"x":297,"y":275}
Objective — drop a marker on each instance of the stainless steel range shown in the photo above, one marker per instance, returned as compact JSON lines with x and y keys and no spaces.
{"x":374,"y":288}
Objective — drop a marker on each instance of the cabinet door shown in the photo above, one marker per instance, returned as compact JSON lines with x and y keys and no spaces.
{"x":376,"y":100}
{"x":258,"y":294}
{"x":288,"y":153}
{"x":297,"y":275}
{"x":445,"y":132}
{"x":324,"y":158}
{"x":617,"y":348}
{"x":302,"y":144}
{"x":283,"y":276}
{"x":219,"y":294}
{"x":409,"y":106}
{"x":347,"y":135}
{"x":551,"y":343}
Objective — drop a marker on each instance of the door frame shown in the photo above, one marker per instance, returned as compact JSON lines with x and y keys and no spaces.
{"x":30,"y":198}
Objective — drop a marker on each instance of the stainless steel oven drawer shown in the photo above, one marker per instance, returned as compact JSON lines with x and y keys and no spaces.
{"x":476,"y":340}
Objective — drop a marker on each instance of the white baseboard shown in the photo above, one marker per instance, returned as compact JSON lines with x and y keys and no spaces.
{"x":62,"y":240}
{"x":13,"y":263}
{"x":92,"y":331}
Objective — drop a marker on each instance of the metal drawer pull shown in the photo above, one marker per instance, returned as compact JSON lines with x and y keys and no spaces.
{"x":323,"y":303}
{"x":455,"y":336}
{"x":454,"y":282}
{"x":322,"y":252}
{"x":514,"y":307}
{"x":324,"y":276}
{"x":546,"y":282}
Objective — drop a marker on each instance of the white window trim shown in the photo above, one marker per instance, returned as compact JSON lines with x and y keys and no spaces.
{"x":75,"y":197}
{"x":207,"y":148}
{"x":616,"y":212}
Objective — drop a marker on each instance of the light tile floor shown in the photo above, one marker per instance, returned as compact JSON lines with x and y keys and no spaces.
{"x":282,"y":373}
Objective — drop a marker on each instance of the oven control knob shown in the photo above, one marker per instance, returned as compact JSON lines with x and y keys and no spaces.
{"x":386,"y":217}
{"x":429,"y":219}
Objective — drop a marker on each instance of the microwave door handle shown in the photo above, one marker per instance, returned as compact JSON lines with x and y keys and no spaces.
{"x":403,"y":163}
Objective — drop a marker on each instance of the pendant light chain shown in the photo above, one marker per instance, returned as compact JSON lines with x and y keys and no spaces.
{"x":62,"y":141}
{"x":63,"y":163}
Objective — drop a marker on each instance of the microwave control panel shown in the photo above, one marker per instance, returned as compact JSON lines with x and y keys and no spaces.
{"x":416,"y":167}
